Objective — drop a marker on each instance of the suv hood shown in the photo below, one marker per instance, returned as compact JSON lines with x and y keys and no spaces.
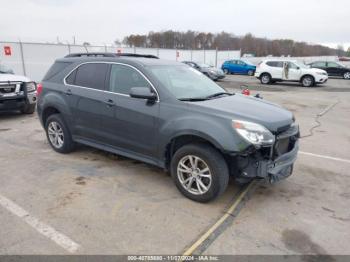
{"x":256,"y":110}
{"x":13,"y":78}
{"x":316,"y":70}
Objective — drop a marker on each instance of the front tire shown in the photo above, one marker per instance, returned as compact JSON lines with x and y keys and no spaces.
{"x":199,"y":172}
{"x":265,"y":79}
{"x":307,"y":81}
{"x":58,"y":134}
{"x":250,"y":72}
{"x":226,"y":71}
{"x":346,"y":75}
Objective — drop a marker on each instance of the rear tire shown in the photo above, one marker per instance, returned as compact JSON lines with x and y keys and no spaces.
{"x":28,"y":109}
{"x":265,"y":79}
{"x":58,"y":134}
{"x":307,"y":81}
{"x":194,"y":162}
{"x":346,"y":75}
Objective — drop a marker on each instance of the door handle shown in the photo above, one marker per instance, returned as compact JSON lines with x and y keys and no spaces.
{"x":109,"y":102}
{"x":68,"y":92}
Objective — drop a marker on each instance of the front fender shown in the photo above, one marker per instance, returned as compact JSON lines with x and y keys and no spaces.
{"x":217,"y":131}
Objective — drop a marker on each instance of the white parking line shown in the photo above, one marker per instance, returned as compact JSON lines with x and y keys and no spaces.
{"x":325,"y":157}
{"x":46,"y":230}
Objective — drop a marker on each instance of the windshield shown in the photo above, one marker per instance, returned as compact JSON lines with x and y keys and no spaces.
{"x":185,"y":82}
{"x":247,"y":62}
{"x":5,"y":70}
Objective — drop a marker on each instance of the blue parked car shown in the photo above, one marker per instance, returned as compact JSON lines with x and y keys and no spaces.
{"x":237,"y":66}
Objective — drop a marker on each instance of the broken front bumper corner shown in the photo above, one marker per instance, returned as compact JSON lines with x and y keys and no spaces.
{"x":282,"y":167}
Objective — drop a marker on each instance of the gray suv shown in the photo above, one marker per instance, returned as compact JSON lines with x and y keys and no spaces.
{"x":166,"y":114}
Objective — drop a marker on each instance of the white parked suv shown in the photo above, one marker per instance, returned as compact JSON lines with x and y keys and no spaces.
{"x":16,"y":92}
{"x":271,"y":71}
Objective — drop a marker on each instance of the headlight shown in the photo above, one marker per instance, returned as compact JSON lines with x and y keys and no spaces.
{"x":253,"y":133}
{"x":212,"y":71}
{"x":30,"y":86}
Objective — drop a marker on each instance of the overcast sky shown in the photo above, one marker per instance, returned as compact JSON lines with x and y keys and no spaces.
{"x":103,"y":21}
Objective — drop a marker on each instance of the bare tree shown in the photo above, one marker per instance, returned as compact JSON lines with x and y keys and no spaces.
{"x":225,"y":41}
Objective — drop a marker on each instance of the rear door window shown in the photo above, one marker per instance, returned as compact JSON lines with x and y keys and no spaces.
{"x":91,"y":75}
{"x":123,"y":78}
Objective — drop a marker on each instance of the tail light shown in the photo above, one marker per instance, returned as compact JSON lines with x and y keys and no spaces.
{"x":39,"y":89}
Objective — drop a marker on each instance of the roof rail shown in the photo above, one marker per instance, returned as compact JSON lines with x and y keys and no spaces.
{"x":101,"y":54}
{"x":137,"y":55}
{"x":96,"y":54}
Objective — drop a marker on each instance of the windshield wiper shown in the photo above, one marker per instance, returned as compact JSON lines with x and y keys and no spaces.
{"x":192,"y":99}
{"x":204,"y":98}
{"x":218,"y":94}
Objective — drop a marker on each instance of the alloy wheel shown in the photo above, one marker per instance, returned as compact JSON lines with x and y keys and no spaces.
{"x":55,"y":133}
{"x":307,"y":81}
{"x":265,"y":79}
{"x":347,"y":75}
{"x":194,"y":175}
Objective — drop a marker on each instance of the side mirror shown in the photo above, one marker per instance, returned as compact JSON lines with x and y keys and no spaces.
{"x":143,"y":93}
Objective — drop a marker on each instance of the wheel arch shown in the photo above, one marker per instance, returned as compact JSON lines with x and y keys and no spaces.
{"x":307,"y":74}
{"x":176,"y":142}
{"x":47,"y":112}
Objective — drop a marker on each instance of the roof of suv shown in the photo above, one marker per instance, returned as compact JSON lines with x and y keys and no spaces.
{"x":280,"y":60}
{"x":143,"y":60}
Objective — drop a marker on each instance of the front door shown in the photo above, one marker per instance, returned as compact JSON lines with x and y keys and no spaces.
{"x":333,"y":69}
{"x":134,"y":126}
{"x":291,"y":71}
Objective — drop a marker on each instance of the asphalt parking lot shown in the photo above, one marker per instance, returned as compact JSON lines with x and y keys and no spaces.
{"x":92,"y":202}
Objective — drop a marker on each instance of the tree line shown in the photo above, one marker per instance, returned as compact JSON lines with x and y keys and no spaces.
{"x":248,"y":44}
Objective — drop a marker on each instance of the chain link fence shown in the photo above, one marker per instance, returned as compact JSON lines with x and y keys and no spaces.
{"x":34,"y":59}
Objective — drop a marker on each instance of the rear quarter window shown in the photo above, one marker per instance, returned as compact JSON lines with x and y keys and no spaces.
{"x":56,"y":68}
{"x":275,"y":63}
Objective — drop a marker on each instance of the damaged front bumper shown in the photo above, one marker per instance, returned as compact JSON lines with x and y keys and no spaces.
{"x":281,"y":167}
{"x":273,"y":163}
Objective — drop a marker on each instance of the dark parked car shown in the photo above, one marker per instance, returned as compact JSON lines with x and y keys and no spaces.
{"x":169,"y":115}
{"x":332,"y":68}
{"x":208,"y":70}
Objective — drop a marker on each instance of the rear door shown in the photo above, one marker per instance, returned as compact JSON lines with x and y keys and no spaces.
{"x":233,"y":66}
{"x":88,"y":99}
{"x":275,"y":69}
{"x":133,"y":127}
